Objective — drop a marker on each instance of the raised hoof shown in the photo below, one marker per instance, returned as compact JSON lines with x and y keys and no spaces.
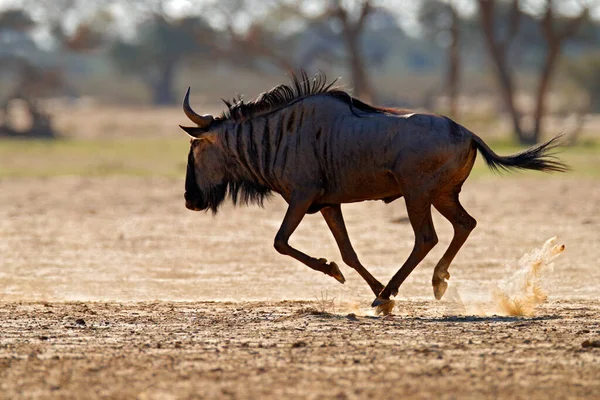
{"x":440,"y":285}
{"x":440,"y":289}
{"x":385,"y":308}
{"x":336,"y":273}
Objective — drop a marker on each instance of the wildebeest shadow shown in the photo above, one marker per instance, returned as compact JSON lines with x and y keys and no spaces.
{"x":319,"y":314}
{"x":491,"y":318}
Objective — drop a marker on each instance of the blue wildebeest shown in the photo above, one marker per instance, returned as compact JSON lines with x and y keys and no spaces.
{"x":318,"y":147}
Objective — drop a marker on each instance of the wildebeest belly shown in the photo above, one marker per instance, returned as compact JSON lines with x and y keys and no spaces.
{"x":366,"y":185}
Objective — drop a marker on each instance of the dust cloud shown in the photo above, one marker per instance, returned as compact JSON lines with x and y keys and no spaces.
{"x":518,"y":294}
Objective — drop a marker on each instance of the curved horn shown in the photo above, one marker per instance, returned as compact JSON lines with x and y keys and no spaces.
{"x":203,"y":121}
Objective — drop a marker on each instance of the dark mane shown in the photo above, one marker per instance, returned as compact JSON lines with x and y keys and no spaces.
{"x":283,"y":95}
{"x":241,"y":192}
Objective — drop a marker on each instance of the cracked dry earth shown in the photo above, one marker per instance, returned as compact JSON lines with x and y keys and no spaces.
{"x":109,"y":288}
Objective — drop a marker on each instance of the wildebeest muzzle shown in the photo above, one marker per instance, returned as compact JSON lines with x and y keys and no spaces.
{"x":193,"y":197}
{"x":193,"y":203}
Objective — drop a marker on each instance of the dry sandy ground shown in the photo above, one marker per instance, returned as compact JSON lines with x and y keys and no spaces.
{"x":289,"y":350}
{"x":110,"y":288}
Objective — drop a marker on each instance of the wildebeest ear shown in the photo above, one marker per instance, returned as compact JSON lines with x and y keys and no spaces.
{"x":194,"y":131}
{"x":199,"y":133}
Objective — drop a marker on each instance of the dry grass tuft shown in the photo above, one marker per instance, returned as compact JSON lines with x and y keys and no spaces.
{"x":325,"y":304}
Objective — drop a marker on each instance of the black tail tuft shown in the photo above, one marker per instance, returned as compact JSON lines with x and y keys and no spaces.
{"x":539,"y":158}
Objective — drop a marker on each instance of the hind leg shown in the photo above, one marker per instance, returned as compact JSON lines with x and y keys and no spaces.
{"x":449,"y":206}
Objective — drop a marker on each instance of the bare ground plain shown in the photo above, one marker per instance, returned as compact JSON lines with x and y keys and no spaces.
{"x":110,"y":288}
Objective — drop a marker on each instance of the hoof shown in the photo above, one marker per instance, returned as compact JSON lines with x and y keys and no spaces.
{"x":336,"y":273}
{"x":379,"y":301}
{"x":385,"y":308}
{"x":440,"y":285}
{"x":440,"y":289}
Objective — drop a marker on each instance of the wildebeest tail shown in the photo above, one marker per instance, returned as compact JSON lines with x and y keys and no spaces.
{"x":539,"y":157}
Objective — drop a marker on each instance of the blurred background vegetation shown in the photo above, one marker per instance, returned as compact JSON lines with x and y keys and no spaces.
{"x":101,"y":74}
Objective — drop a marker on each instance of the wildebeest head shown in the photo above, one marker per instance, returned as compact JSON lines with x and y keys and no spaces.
{"x":205,"y":181}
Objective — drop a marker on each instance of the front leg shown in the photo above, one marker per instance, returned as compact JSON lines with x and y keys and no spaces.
{"x":297,"y":208}
{"x":335,"y":220}
{"x":419,"y":214}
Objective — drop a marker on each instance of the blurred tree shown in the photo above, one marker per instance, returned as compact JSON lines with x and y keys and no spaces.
{"x":347,"y":20}
{"x":555,"y":31}
{"x":71,"y":25}
{"x":157,"y":51}
{"x":585,"y":71}
{"x":262,"y":39}
{"x":438,"y":18}
{"x":320,"y":40}
{"x":16,"y":20}
{"x":91,"y":34}
{"x":38,"y":77}
{"x":352,"y":29}
{"x":32,"y":82}
{"x":250,"y":44}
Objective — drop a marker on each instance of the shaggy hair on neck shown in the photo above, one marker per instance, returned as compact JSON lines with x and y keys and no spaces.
{"x":241,"y":192}
{"x":284,"y":95}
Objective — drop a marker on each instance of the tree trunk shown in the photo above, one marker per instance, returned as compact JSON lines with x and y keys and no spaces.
{"x":507,"y":89}
{"x":452,"y":79}
{"x":542,"y":92}
{"x":595,"y":102}
{"x":162,"y":86}
{"x":498,"y":50}
{"x":499,"y":58}
{"x":362,"y":87}
{"x":352,"y":32}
